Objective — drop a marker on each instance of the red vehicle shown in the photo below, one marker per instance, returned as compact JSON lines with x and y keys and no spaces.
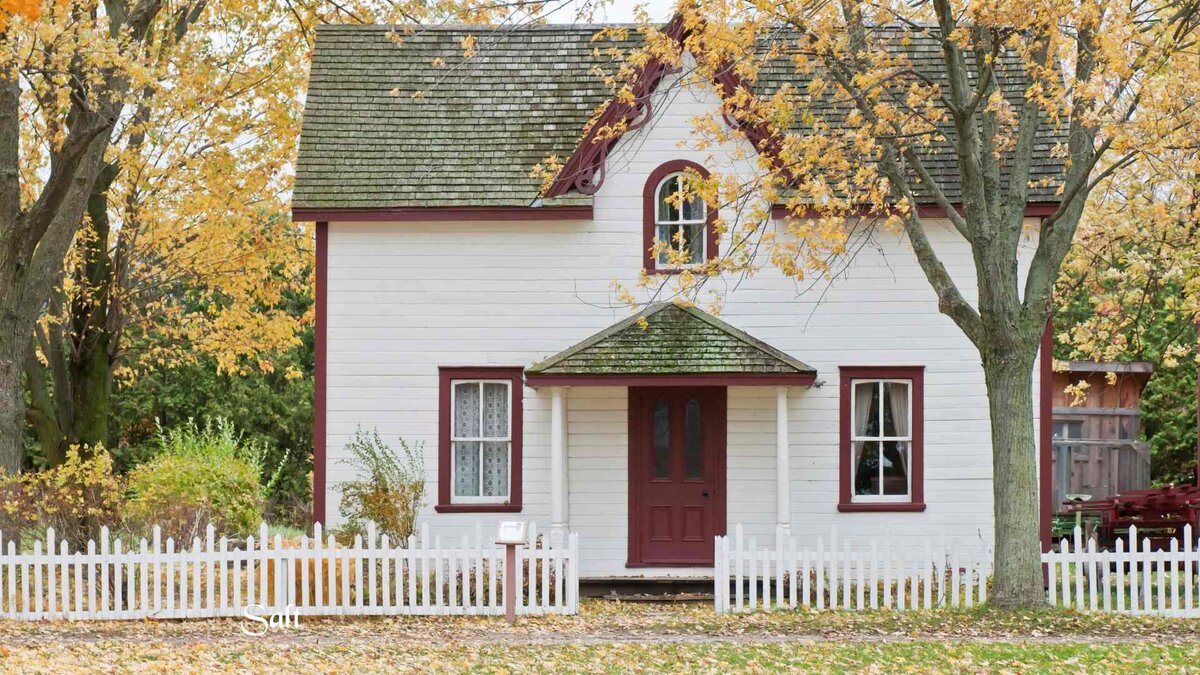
{"x":1159,"y":514}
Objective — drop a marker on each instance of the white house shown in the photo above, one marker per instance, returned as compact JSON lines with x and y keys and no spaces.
{"x":459,"y":309}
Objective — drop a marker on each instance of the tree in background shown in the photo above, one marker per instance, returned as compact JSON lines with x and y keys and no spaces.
{"x":272,"y":408}
{"x":67,"y":70}
{"x":1131,"y":291}
{"x":155,"y":143}
{"x":185,"y":246}
{"x":1104,"y":77}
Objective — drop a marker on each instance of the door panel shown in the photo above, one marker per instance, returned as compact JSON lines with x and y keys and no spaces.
{"x":676,"y":474}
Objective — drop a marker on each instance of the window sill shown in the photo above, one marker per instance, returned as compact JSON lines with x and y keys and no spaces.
{"x":877,"y":507}
{"x":667,"y":270}
{"x":697,"y":268}
{"x":477,"y":508}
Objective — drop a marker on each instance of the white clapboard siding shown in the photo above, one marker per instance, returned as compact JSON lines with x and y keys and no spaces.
{"x":834,"y":574}
{"x":213,"y":577}
{"x":1133,"y":580}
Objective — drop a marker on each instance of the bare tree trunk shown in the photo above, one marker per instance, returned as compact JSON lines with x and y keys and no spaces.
{"x":12,"y":402}
{"x":1018,"y":578}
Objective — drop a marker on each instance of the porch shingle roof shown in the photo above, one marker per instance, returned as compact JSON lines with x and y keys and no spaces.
{"x":674,"y":341}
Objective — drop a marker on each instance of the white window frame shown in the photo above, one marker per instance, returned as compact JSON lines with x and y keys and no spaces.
{"x":455,"y":498}
{"x":678,"y":224}
{"x":855,"y":438}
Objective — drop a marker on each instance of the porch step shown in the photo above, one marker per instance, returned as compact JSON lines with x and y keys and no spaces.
{"x":648,"y":590}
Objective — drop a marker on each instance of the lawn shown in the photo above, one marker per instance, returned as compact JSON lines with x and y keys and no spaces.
{"x":613,"y":637}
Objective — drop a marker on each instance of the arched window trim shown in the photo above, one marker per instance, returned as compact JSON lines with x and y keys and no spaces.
{"x":650,"y":210}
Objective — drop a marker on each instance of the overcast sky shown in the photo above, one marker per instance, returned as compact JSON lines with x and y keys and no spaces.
{"x":620,"y":11}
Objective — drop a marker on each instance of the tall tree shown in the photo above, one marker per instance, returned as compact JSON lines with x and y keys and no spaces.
{"x":161,"y":132}
{"x":185,"y":246}
{"x":1104,"y":77}
{"x":1130,"y":289}
{"x":64,"y":84}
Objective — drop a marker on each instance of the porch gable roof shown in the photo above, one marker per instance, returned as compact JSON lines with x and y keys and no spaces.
{"x":669,"y":344}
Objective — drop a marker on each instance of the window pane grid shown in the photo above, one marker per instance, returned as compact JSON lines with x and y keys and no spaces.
{"x":481,"y":439}
{"x":875,"y":453}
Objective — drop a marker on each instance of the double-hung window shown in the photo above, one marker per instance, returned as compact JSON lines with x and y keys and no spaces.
{"x":882,"y":438}
{"x":481,"y":439}
{"x":479,"y":450}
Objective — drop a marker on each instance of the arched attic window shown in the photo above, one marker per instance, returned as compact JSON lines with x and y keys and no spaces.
{"x":688,"y":226}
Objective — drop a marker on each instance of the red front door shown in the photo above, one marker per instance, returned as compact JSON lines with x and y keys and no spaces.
{"x":676,"y":474}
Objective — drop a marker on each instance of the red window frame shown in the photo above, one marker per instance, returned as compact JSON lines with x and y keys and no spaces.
{"x":446,"y":375}
{"x":650,"y":209}
{"x":846,"y":375}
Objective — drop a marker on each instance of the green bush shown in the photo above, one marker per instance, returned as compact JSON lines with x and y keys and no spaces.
{"x":388,"y":489}
{"x":200,"y":475}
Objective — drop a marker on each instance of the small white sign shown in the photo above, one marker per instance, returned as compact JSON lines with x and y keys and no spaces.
{"x":511,"y":532}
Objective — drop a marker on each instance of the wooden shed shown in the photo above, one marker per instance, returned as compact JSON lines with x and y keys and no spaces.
{"x":1097,"y":446}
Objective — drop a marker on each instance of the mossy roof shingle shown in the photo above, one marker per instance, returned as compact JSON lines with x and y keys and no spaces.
{"x":674,"y":341}
{"x":480,"y":124}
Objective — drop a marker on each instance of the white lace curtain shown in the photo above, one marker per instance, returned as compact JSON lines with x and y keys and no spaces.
{"x":481,"y":439}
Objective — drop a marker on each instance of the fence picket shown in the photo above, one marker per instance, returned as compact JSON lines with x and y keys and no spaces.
{"x":820,"y":569}
{"x":1159,"y":562}
{"x":807,"y":580}
{"x":1191,"y":566}
{"x":739,"y":579}
{"x":1147,"y":586}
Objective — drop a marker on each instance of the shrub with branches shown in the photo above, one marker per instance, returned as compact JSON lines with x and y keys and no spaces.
{"x":388,"y":491}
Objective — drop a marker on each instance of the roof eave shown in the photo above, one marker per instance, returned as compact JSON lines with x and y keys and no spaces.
{"x":440,"y":214}
{"x":537,"y":380}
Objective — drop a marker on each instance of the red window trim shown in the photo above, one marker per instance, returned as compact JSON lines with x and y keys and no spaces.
{"x":446,"y":374}
{"x":650,"y":208}
{"x":846,"y":374}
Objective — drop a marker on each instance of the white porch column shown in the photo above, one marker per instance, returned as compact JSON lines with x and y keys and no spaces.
{"x":783,"y":487}
{"x":558,"y":464}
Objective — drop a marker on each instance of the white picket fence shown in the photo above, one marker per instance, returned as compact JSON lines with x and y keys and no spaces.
{"x":749,"y":577}
{"x":310,"y":577}
{"x":1134,"y":581}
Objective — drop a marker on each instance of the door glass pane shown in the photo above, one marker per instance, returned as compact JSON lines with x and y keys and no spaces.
{"x":466,"y":468}
{"x":692,"y":467}
{"x":495,"y":469}
{"x":662,"y":438}
{"x":866,"y":468}
{"x":495,"y":410}
{"x":466,"y":410}
{"x":895,"y":467}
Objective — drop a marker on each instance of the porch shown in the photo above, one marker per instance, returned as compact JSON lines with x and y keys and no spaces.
{"x":657,"y":494}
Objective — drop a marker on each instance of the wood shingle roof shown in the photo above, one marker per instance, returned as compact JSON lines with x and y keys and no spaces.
{"x":384,"y":128}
